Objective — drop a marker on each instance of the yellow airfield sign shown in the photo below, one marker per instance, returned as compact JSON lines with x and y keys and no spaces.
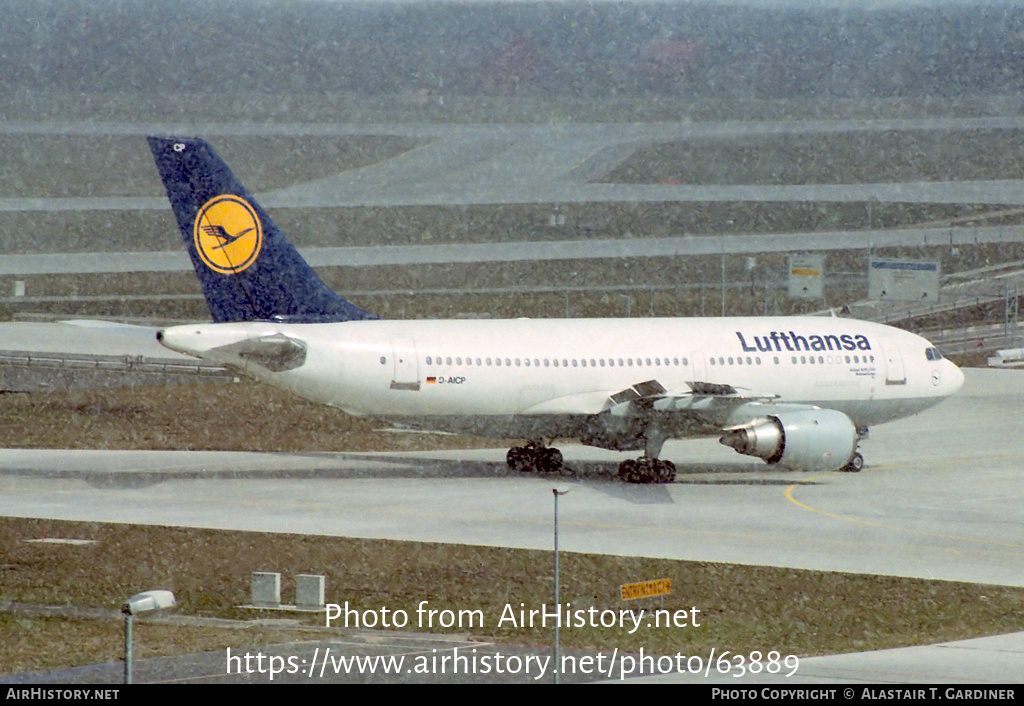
{"x":645,"y":589}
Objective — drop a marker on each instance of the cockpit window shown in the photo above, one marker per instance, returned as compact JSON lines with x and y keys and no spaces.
{"x":932,"y":354}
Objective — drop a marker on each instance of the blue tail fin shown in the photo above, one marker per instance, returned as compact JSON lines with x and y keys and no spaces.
{"x":248,"y":269}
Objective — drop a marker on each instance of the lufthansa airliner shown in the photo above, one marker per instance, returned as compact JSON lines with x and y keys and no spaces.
{"x":800,"y":392}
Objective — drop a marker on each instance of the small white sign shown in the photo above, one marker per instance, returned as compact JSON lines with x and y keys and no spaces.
{"x":806,"y":276}
{"x":892,"y":280}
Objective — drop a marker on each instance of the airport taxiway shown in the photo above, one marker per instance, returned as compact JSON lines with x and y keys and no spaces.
{"x":939,"y":497}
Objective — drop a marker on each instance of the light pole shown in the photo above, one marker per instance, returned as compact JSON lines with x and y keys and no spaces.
{"x":140,"y":603}
{"x":558,"y":606}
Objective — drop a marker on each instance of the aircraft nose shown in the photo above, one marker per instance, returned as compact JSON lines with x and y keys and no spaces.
{"x":956,"y":377}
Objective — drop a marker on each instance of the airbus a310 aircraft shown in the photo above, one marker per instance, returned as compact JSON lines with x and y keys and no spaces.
{"x":799,"y":392}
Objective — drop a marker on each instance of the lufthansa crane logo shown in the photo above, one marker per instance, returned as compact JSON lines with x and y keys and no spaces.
{"x":228,"y":234}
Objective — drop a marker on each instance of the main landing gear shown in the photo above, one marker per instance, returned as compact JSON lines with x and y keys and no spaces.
{"x":542,"y":459}
{"x":647,"y":470}
{"x":534,"y":457}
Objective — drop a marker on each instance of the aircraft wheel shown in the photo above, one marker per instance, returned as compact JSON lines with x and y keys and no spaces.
{"x":628,"y":471}
{"x":666,"y":471}
{"x":646,"y":471}
{"x":549,"y":460}
{"x":856,"y":464}
{"x":519,"y":459}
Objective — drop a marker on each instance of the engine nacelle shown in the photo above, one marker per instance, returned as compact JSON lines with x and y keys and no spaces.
{"x":806,"y":440}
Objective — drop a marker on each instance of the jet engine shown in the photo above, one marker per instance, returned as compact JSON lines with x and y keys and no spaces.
{"x":807,"y":439}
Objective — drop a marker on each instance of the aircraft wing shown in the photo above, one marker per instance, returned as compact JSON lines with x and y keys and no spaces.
{"x":714,"y":403}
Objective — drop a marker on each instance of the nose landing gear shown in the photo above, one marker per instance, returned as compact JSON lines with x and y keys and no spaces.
{"x":856,"y":462}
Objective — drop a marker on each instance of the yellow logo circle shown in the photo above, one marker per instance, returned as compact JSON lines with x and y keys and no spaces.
{"x":228,"y":234}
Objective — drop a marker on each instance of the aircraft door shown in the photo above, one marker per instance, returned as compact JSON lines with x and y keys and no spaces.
{"x":699,"y":369}
{"x":895,"y":374}
{"x":406,"y":365}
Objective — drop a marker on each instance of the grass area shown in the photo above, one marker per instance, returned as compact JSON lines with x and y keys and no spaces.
{"x":43,"y":166}
{"x":742,"y":608}
{"x":33,"y":643}
{"x":841,"y":158}
{"x":176,"y":417}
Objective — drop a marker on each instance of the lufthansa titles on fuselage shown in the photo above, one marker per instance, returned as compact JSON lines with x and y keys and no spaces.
{"x":791,"y":341}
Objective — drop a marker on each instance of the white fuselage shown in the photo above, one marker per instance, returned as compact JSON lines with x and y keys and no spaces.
{"x":477,"y":376}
